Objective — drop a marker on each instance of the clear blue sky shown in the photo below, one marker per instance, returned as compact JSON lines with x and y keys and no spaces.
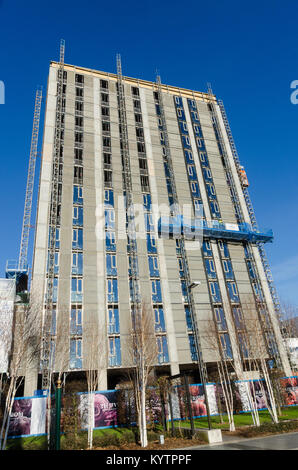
{"x":247,"y":50}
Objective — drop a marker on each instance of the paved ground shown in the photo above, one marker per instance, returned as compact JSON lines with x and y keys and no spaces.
{"x":287,"y":441}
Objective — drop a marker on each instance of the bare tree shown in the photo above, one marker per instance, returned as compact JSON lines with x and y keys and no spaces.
{"x":224,"y":365}
{"x":95,"y":360}
{"x":143,"y":354}
{"x":25,"y":353}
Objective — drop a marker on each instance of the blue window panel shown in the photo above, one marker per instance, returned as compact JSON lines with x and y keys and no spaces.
{"x":147,"y":202}
{"x":257,"y":291}
{"x":233,"y":292}
{"x":186,"y":142}
{"x":111,"y":265}
{"x":188,"y":318}
{"x":149,"y":225}
{"x":75,"y":361}
{"x":220,"y":318}
{"x":77,"y":195}
{"x":210,"y":268}
{"x":207,"y":250}
{"x":215,"y":292}
{"x":181,"y":268}
{"x":192,"y":173}
{"x":198,"y":130}
{"x":223,"y":248}
{"x":214,"y":209}
{"x":183,"y":127}
{"x":238,"y":318}
{"x":178,"y":100}
{"x":77,"y":263}
{"x":226,"y":345}
{"x":159,"y":321}
{"x":114,"y":351}
{"x":113,"y":320}
{"x":109,"y":197}
{"x":243,"y":346}
{"x":251,"y":270}
{"x":192,"y":104}
{"x":193,"y":349}
{"x":156,"y":291}
{"x":247,"y":253}
{"x":55,"y":289}
{"x":194,"y":186}
{"x":54,"y":323}
{"x":76,"y":289}
{"x":112,"y":290}
{"x":211,"y":191}
{"x":56,"y":262}
{"x":77,"y":239}
{"x":77,"y":219}
{"x":207,"y":174}
{"x":151,"y":243}
{"x":109,"y":219}
{"x":76,"y":327}
{"x":167,"y":171}
{"x":227,"y":269}
{"x":162,"y":346}
{"x":195,"y":117}
{"x":184,"y":292}
{"x":153,"y":266}
{"x":188,"y":156}
{"x":57,"y":238}
{"x":110,"y":241}
{"x":204,"y":158}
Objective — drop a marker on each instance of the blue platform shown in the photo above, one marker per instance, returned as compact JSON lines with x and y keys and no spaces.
{"x":174,"y":227}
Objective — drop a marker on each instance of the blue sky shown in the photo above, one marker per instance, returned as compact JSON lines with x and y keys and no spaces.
{"x":247,"y":50}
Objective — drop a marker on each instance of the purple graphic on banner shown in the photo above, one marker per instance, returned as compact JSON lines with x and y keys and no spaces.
{"x":20,"y":418}
{"x":105,"y":409}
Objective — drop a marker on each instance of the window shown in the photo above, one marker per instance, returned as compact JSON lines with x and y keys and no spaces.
{"x":188,"y":318}
{"x":143,"y":164}
{"x":110,"y":241}
{"x":151,"y":243}
{"x":226,"y":345}
{"x":104,"y":84}
{"x":107,"y":178}
{"x":135,"y":91}
{"x":156,"y":291}
{"x":79,"y":121}
{"x":112,"y":290}
{"x":76,"y":321}
{"x":79,"y":137}
{"x":141,"y":147}
{"x":147,"y":201}
{"x":192,"y":346}
{"x":77,"y":264}
{"x":137,"y":105}
{"x":77,"y":239}
{"x":238,"y":318}
{"x":77,"y":219}
{"x":114,"y":351}
{"x":76,"y":289}
{"x":77,"y":195}
{"x":79,"y":78}
{"x":179,"y":112}
{"x":162,"y":348}
{"x":113,"y":320}
{"x":104,"y":97}
{"x":106,"y":142}
{"x":79,"y":106}
{"x":78,"y":155}
{"x":215,"y":292}
{"x":79,"y":92}
{"x":159,"y":322}
{"x":105,"y":111}
{"x":144,"y":183}
{"x":177,"y":100}
{"x":188,"y":155}
{"x":111,"y":265}
{"x":75,"y":354}
{"x":233,"y":293}
{"x":220,"y":318}
{"x":109,"y":218}
{"x":138,"y":118}
{"x":153,"y":266}
{"x":105,"y":126}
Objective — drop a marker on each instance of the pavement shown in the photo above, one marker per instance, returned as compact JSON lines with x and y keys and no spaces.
{"x":286,"y":441}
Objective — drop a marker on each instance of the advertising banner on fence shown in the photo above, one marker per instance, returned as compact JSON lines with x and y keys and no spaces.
{"x":28,"y":417}
{"x":100,"y":408}
{"x":252,"y":390}
{"x":290,"y":389}
{"x":197,"y":400}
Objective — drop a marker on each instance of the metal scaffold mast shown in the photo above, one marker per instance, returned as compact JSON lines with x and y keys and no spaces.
{"x":131,"y":230}
{"x":23,"y":255}
{"x":176,"y":212}
{"x":47,"y":353}
{"x":260,"y":303}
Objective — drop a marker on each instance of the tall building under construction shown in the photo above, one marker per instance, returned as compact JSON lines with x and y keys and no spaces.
{"x":115,"y":151}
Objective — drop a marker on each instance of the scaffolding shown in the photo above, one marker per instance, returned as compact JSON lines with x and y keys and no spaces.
{"x":261,"y":305}
{"x":47,"y":339}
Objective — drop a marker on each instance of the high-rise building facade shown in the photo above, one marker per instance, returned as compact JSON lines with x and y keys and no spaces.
{"x":175,"y":151}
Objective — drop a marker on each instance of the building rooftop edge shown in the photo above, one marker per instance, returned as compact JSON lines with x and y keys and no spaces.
{"x":145,"y":83}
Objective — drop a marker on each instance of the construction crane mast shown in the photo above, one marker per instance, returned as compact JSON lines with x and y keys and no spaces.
{"x":47,"y":336}
{"x":23,"y":255}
